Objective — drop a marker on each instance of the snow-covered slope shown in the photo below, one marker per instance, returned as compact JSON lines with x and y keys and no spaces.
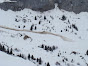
{"x":56,"y":36}
{"x":7,"y":60}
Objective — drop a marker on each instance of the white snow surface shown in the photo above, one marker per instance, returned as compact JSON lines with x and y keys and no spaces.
{"x":49,"y":21}
{"x":2,"y":1}
{"x":7,"y":60}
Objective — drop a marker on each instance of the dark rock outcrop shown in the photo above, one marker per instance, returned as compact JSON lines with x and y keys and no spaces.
{"x":38,"y":5}
{"x":76,"y":6}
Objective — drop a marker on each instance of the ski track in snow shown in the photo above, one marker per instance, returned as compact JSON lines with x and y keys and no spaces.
{"x":56,"y":21}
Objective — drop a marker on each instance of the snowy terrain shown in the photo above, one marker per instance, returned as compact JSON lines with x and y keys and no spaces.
{"x":1,"y":1}
{"x":7,"y":60}
{"x":57,"y":37}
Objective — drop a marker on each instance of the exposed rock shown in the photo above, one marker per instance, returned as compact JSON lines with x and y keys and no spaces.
{"x":38,"y":5}
{"x":26,"y":37}
{"x":76,"y":6}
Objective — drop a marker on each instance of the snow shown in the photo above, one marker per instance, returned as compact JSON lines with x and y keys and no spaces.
{"x":50,"y":21}
{"x":7,"y":60}
{"x":2,"y":1}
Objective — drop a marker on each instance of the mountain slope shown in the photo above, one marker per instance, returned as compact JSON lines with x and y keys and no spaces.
{"x":25,"y":32}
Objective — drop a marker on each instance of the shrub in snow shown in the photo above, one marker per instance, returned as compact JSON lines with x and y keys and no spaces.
{"x":74,"y":52}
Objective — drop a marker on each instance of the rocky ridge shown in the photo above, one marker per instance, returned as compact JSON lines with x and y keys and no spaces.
{"x":76,"y":6}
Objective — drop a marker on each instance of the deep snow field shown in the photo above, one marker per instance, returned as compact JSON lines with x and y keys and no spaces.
{"x":57,"y":37}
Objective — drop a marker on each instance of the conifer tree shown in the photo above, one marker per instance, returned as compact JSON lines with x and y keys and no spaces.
{"x":51,"y":49}
{"x":3,"y":48}
{"x":87,"y":52}
{"x":44,"y":17}
{"x":48,"y":48}
{"x":45,"y":47}
{"x":37,"y":60}
{"x":11,"y":51}
{"x":7,"y":51}
{"x":40,"y":61}
{"x":48,"y":64}
{"x":35,"y":18}
{"x":28,"y":56}
{"x":0,"y":47}
{"x":20,"y":55}
{"x":32,"y":57}
{"x":42,"y":46}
